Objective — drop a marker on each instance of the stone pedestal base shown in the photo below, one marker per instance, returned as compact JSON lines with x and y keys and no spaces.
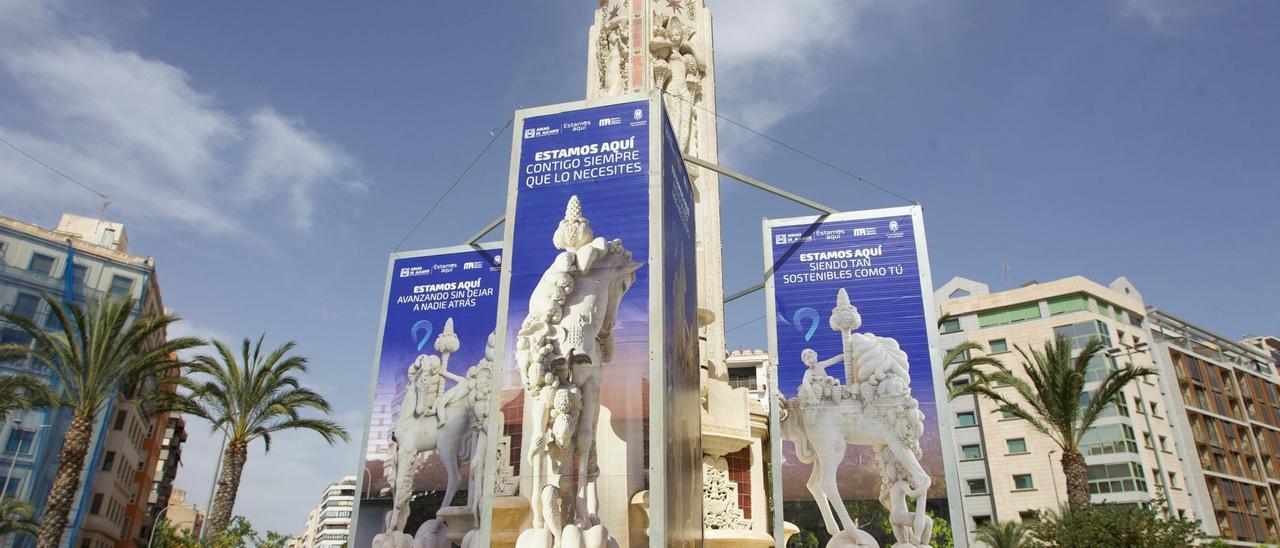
{"x":510,"y":517}
{"x":459,"y":520}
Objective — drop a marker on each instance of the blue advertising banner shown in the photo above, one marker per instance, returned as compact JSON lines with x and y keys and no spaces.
{"x":681,"y":419}
{"x":431,"y":382}
{"x":583,"y":323}
{"x":852,"y":333}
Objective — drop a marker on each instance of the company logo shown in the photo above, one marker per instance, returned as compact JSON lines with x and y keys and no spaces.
{"x":577,"y":126}
{"x":497,"y":260}
{"x":893,"y":230}
{"x":638,"y":114}
{"x":540,"y":131}
{"x":779,"y":238}
{"x":411,"y":271}
{"x":472,"y":265}
{"x":446,"y":268}
{"x":610,"y":121}
{"x":868,"y":231}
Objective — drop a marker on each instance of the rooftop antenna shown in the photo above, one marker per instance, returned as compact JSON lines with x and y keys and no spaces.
{"x":1005,"y":268}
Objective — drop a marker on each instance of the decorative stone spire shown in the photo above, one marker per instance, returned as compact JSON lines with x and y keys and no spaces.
{"x":574,"y":230}
{"x":447,"y":342}
{"x":844,"y":317}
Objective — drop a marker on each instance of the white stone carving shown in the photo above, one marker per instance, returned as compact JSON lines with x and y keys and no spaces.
{"x":450,"y":422}
{"x":720,"y":496}
{"x":876,"y":408}
{"x":563,"y":342}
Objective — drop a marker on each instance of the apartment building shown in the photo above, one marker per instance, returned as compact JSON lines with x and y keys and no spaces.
{"x":329,"y":523}
{"x":183,"y":515}
{"x":1007,"y":470}
{"x":82,"y":259}
{"x":165,"y":471}
{"x":1229,"y":394}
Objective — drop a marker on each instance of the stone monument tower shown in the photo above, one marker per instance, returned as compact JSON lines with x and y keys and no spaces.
{"x":666,"y":44}
{"x":637,"y":45}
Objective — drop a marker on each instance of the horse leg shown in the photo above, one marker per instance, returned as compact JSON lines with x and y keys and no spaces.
{"x":815,"y":487}
{"x":586,"y":445}
{"x":403,"y":485}
{"x":447,"y":448}
{"x":920,"y":483}
{"x":832,"y":489}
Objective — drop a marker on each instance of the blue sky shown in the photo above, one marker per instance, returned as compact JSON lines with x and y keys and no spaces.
{"x":270,"y":155}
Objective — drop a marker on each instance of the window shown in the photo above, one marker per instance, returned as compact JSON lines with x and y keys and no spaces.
{"x":1023,"y":482}
{"x":958,"y":294}
{"x":1116,"y":478}
{"x":26,"y":305}
{"x":120,"y":418}
{"x":742,"y":377}
{"x":96,"y":506}
{"x":1108,"y":439}
{"x":966,"y":418}
{"x":42,"y":264}
{"x":20,"y":441}
{"x":977,"y":486}
{"x":950,"y":325}
{"x":108,"y":460}
{"x":1146,"y":440}
{"x":970,"y":452}
{"x":1164,"y":444}
{"x":979,"y":521}
{"x":1007,"y":416}
{"x":78,"y":273}
{"x":1080,"y":333}
{"x":1016,"y":446}
{"x":121,"y":285}
{"x":1028,"y":515}
{"x":1009,"y":314}
{"x":958,"y":358}
{"x":15,"y":336}
{"x":1070,"y":303}
{"x":1173,"y":481}
{"x":11,"y":486}
{"x":1155,"y":409}
{"x":998,"y":346}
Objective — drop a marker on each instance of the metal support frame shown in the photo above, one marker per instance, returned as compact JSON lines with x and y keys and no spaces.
{"x":742,"y":178}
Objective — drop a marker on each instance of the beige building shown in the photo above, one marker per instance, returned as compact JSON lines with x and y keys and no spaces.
{"x":182,"y":514}
{"x":1229,"y":394}
{"x":1006,"y":469}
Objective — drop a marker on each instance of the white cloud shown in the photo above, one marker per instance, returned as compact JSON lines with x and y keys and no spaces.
{"x":139,"y":130}
{"x":1165,"y":16}
{"x":773,"y":58}
{"x":287,"y":158}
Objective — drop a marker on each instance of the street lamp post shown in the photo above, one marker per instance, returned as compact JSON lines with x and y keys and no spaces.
{"x":1127,"y":351}
{"x":1056,"y":494}
{"x":13,"y":459}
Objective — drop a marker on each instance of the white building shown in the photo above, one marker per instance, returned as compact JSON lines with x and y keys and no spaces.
{"x":329,"y":523}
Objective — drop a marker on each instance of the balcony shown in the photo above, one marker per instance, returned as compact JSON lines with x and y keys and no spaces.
{"x":55,"y":285}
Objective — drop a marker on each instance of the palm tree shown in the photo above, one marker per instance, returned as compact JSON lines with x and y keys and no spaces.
{"x":959,"y":362}
{"x":1052,"y":401}
{"x":249,"y":398}
{"x":1006,"y":534}
{"x":20,"y":391}
{"x":17,"y":516}
{"x":97,"y":353}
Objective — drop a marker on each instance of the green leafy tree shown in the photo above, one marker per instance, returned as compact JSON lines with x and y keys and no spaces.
{"x":96,"y":353}
{"x":17,"y":516}
{"x":1129,"y":525}
{"x":1050,"y":401}
{"x":20,"y":392}
{"x":803,"y":539}
{"x":960,"y":361}
{"x":1006,"y":534}
{"x":249,"y":397}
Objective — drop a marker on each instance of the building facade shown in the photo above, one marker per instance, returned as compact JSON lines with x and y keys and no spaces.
{"x":82,"y":259}
{"x":1007,"y":470}
{"x":164,"y":471}
{"x":329,"y":523}
{"x":1228,"y":395}
{"x":183,"y":515}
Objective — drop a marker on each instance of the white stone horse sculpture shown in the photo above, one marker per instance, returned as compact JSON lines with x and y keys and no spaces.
{"x":446,"y":434}
{"x":561,"y":346}
{"x":875,"y":408}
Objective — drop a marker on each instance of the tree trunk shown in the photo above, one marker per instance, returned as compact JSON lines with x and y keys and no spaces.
{"x":67,"y":482}
{"x":224,"y":501}
{"x":1077,"y":479}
